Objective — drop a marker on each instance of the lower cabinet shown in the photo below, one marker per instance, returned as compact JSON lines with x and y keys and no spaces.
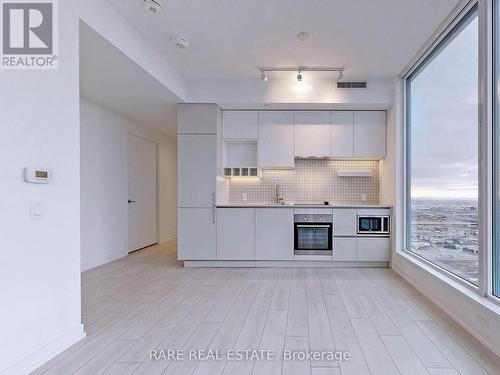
{"x":235,"y":234}
{"x":197,"y":234}
{"x":352,"y":249}
{"x":344,"y":249}
{"x":274,"y":234}
{"x":373,"y":249}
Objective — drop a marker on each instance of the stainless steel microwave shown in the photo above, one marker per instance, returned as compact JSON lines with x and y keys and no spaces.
{"x":373,"y":225}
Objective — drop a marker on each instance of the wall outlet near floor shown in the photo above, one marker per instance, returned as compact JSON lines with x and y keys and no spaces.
{"x":363,"y":197}
{"x":244,"y":196}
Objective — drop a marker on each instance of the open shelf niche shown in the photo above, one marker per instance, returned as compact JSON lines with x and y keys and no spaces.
{"x":240,"y":158}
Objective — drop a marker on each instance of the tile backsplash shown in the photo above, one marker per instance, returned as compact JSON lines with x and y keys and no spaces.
{"x":312,"y":182}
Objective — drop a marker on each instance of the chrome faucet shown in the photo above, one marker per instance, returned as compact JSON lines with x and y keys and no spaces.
{"x":279,"y":196}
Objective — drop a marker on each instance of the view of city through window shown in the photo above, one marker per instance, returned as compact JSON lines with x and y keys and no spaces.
{"x":443,"y":155}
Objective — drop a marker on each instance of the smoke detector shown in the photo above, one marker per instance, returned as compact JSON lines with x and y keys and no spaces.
{"x":303,"y":36}
{"x":181,"y":43}
{"x":153,"y":6}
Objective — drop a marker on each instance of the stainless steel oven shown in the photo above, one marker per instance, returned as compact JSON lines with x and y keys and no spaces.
{"x":374,"y":225}
{"x":313,"y":234}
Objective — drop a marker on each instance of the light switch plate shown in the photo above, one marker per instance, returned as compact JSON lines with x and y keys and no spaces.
{"x":363,"y":197}
{"x":244,"y":196}
{"x":36,"y":211}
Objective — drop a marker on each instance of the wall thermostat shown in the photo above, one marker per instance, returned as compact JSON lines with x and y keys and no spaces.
{"x":37,"y":175}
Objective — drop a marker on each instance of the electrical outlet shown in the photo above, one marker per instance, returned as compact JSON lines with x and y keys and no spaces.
{"x":36,"y":211}
{"x":244,"y":196}
{"x":363,"y":197}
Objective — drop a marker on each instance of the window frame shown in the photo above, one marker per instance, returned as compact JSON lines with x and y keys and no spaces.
{"x":443,"y":36}
{"x":492,"y":117}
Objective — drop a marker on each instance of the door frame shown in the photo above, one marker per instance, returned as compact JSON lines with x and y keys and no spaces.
{"x":157,"y":144}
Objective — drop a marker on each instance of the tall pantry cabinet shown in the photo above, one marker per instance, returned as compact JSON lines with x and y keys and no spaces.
{"x":196,"y":159}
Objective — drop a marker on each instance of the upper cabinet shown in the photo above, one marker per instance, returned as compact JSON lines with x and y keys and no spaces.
{"x":198,"y":118}
{"x":342,"y":134}
{"x":240,"y":124}
{"x":276,"y":139}
{"x":196,"y":170}
{"x":358,"y":135}
{"x":312,"y":133}
{"x":370,"y":134}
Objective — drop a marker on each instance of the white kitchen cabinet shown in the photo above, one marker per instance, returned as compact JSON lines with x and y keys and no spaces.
{"x":276,"y":139}
{"x":196,"y":170}
{"x":344,"y":222}
{"x":312,"y":133}
{"x":240,"y":124}
{"x":342,"y":134}
{"x":198,"y":118}
{"x":373,"y":249}
{"x":235,"y":234}
{"x":274,"y":234}
{"x":370,"y":134}
{"x":344,"y":249}
{"x":197,"y":234}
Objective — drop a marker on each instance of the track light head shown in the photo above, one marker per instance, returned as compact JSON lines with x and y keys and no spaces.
{"x":340,"y":76}
{"x":299,"y":76}
{"x":263,"y":76}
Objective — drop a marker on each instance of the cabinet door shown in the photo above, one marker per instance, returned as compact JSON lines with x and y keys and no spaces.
{"x":344,"y":249}
{"x":274,"y":234}
{"x":369,"y":134}
{"x":235,"y":234}
{"x":198,"y":118}
{"x":373,"y":249}
{"x":344,"y":222}
{"x":312,"y":133}
{"x":196,"y":170}
{"x":276,"y":139}
{"x":197,"y":234}
{"x":240,"y":124}
{"x":342,"y":134}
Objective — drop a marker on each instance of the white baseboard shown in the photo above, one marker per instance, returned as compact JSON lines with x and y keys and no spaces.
{"x":45,"y":353}
{"x":99,"y":261}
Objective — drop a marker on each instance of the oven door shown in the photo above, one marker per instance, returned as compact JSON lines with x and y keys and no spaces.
{"x":313,"y":236}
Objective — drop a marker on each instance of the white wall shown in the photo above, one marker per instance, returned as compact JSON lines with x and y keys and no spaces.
{"x":244,"y":92}
{"x":168,"y":187}
{"x":387,"y":166}
{"x":104,"y":178}
{"x":104,"y":181}
{"x":40,"y":260}
{"x":103,"y":18}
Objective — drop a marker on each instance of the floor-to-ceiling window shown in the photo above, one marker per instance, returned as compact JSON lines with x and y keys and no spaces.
{"x":442,"y":153}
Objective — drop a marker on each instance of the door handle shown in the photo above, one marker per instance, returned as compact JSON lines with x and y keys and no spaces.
{"x":129,"y":201}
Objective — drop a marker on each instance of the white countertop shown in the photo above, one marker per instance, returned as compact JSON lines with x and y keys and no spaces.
{"x":275,"y":205}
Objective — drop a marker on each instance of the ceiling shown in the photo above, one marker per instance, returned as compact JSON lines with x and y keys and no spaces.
{"x":231,"y":38}
{"x":108,"y":77}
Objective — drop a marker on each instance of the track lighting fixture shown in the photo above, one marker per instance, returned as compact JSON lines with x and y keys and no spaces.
{"x":264,"y":71}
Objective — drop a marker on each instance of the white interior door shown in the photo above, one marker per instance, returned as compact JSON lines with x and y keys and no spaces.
{"x":142,"y":220}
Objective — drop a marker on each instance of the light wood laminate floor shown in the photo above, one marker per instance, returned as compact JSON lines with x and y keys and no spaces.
{"x":148,"y":300}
